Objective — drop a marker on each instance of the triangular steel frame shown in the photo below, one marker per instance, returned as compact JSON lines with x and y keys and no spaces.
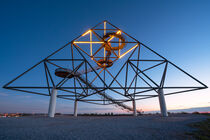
{"x":88,"y":90}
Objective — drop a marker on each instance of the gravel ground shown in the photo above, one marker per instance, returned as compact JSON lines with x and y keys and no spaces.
{"x":98,"y":128}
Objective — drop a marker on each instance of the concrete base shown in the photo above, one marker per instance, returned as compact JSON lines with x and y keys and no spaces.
{"x":75,"y":108}
{"x":134,"y":108}
{"x":163,"y":108}
{"x":52,"y":104}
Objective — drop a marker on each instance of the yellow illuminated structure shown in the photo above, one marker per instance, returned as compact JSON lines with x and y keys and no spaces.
{"x":113,"y":43}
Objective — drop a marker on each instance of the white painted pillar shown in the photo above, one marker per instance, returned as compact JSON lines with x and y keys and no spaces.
{"x":52,"y":104}
{"x":75,"y":108}
{"x":134,"y":108}
{"x":162,"y":102}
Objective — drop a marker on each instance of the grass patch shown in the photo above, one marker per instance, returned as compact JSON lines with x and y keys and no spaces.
{"x":203,"y":132}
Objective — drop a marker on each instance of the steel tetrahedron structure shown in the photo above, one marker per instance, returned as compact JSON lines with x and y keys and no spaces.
{"x":105,"y":66}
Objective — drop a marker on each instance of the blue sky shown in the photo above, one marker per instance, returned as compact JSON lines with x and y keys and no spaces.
{"x":31,"y":30}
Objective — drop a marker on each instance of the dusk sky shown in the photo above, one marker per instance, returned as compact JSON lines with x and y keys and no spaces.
{"x":31,"y":30}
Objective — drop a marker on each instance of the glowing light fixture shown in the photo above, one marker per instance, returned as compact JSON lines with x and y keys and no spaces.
{"x":86,"y":33}
{"x":104,"y":34}
{"x":92,"y":42}
{"x":118,"y":32}
{"x":129,"y":50}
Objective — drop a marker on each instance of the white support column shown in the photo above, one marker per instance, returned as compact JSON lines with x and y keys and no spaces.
{"x":52,"y":104}
{"x":163,"y":108}
{"x":134,"y":108}
{"x":75,"y":108}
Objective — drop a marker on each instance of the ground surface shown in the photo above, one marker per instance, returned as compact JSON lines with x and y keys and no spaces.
{"x":98,"y":128}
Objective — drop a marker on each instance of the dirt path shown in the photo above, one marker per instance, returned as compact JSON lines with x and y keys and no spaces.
{"x":97,"y":128}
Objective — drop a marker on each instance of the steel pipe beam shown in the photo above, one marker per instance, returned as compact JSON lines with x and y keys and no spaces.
{"x":134,"y":108}
{"x":52,"y":104}
{"x":75,"y":108}
{"x":162,"y":102}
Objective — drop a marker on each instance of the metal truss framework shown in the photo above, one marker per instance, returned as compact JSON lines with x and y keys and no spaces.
{"x":96,"y":63}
